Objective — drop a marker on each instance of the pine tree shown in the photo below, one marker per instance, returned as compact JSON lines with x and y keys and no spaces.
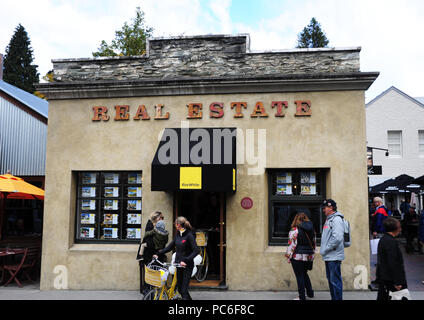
{"x":18,"y":68}
{"x":129,"y":41}
{"x":312,"y":36}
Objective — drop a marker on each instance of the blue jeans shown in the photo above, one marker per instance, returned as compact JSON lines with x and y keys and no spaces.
{"x":334,"y":276}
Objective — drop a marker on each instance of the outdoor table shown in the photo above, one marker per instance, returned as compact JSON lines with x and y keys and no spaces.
{"x":7,"y":253}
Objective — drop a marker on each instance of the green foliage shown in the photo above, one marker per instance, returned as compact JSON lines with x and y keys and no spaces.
{"x":129,"y":41}
{"x":312,"y":36}
{"x":18,"y":68}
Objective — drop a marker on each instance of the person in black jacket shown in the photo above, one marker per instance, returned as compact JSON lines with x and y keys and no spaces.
{"x":186,"y":250}
{"x":390,"y":268}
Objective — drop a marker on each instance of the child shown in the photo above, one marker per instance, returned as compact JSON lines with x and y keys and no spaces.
{"x":159,"y":238}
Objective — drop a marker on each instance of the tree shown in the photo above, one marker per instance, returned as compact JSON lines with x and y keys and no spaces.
{"x":18,"y":68}
{"x":129,"y":41}
{"x":312,"y":36}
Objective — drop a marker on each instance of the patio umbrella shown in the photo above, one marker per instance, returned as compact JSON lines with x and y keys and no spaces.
{"x":12,"y":187}
{"x":419,"y":180}
{"x":399,"y":184}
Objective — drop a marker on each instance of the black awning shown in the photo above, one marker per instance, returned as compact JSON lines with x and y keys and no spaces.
{"x":402,"y":183}
{"x":195,"y":159}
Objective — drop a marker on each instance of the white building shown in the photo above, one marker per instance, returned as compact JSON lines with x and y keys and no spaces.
{"x":395,"y":121}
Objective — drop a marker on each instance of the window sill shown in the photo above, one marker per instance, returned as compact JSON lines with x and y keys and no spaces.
{"x":127,"y":248}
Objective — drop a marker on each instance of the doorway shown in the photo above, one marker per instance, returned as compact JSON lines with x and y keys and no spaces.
{"x":206,"y":211}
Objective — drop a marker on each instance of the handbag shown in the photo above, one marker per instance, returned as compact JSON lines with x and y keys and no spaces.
{"x":139,"y":257}
{"x":309,"y":264}
{"x":374,"y":245}
{"x":400,"y":295}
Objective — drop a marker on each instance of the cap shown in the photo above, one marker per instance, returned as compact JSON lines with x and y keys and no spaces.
{"x":329,"y":203}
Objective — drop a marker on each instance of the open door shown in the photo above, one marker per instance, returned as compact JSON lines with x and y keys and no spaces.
{"x":206,"y":212}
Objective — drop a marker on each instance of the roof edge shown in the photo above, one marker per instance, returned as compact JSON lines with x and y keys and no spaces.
{"x":398,"y":91}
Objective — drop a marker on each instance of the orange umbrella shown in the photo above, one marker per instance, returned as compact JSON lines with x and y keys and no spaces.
{"x":12,"y":187}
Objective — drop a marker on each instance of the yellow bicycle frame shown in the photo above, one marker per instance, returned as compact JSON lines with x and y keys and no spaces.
{"x":171,"y":292}
{"x":203,"y":256}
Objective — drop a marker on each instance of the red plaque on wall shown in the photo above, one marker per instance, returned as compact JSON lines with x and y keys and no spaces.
{"x":246,"y":203}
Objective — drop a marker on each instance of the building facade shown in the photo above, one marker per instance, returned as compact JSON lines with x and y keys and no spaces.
{"x":298,"y":120}
{"x":23,"y":138}
{"x":395,"y":121}
{"x":23,"y":132}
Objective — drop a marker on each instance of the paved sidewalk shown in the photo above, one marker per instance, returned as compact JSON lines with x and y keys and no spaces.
{"x":33,"y":293}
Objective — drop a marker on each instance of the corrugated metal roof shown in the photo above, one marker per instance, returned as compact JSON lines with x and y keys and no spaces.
{"x":40,"y":106}
{"x":22,"y":135}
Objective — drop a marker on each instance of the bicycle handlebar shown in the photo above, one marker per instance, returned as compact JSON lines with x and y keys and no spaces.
{"x":164,"y":264}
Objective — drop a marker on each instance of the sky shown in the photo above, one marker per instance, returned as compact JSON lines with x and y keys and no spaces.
{"x":388,"y":31}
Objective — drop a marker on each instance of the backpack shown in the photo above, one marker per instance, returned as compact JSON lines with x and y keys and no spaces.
{"x":346,"y":239}
{"x":346,"y":236}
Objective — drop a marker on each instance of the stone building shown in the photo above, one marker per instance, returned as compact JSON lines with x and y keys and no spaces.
{"x":235,"y":140}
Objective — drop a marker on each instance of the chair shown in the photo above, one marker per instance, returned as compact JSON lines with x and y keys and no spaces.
{"x":28,"y":262}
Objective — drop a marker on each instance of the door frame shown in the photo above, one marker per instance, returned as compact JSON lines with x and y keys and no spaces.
{"x":222,"y":230}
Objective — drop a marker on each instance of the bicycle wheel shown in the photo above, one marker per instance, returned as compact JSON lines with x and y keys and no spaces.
{"x":202,"y":269}
{"x":154,"y":294}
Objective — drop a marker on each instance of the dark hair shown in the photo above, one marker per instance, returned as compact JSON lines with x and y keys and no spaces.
{"x":391,"y":224}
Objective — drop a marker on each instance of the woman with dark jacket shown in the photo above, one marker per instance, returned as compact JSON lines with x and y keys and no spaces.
{"x":300,"y":253}
{"x":186,"y":250}
{"x":146,"y":257}
{"x":390,"y":268}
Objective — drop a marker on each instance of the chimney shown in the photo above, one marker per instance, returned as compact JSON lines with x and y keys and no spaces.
{"x":1,"y":66}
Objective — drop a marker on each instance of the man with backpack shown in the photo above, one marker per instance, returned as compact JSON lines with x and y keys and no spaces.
{"x":333,"y":243}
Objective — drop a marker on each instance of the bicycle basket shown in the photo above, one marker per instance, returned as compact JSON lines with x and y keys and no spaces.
{"x":155,"y":276}
{"x":201,"y":239}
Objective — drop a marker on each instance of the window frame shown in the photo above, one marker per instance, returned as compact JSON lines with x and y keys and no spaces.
{"x":421,"y":143}
{"x":391,"y":154}
{"x":295,"y":200}
{"x":99,"y":211}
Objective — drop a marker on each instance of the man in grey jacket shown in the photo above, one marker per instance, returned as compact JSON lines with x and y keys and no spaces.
{"x":332,"y":248}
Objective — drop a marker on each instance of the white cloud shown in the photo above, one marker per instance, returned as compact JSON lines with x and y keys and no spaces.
{"x":389,"y":32}
{"x":220,"y":8}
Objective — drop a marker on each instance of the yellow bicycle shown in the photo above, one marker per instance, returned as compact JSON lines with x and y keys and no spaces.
{"x":163,"y":284}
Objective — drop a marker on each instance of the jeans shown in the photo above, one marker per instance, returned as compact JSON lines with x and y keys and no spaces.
{"x":302,"y":278}
{"x":183,"y":281}
{"x":334,"y":277}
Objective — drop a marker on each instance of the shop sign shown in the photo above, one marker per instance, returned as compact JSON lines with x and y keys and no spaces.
{"x":195,"y":111}
{"x":190,"y":178}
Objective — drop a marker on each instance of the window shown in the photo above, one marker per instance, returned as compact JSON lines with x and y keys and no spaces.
{"x":394,"y":141}
{"x":109,"y":207}
{"x":421,"y":142}
{"x":292,"y":191}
